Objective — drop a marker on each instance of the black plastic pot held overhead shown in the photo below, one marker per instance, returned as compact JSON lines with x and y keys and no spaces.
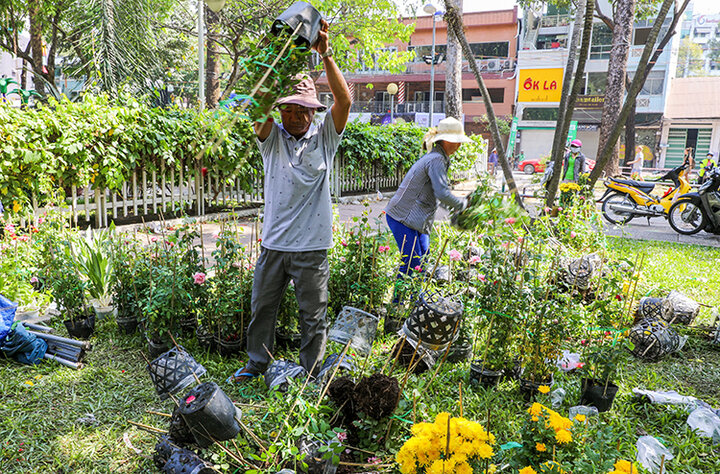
{"x":300,"y":13}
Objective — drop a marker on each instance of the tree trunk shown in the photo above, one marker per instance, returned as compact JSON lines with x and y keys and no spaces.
{"x":455,"y":25}
{"x":617,"y":66}
{"x":630,"y":135}
{"x":212,"y":71}
{"x":635,"y":87}
{"x":453,"y":77}
{"x":36,"y":20}
{"x":567,"y":101}
{"x":630,"y":122}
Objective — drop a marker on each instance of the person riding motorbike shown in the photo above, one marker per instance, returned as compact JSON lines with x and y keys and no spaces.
{"x":706,"y":165}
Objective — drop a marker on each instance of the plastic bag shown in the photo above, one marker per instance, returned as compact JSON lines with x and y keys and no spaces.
{"x":7,"y":315}
{"x":706,"y":423}
{"x":651,"y":453}
{"x":583,"y":410}
{"x":557,"y":396}
{"x":569,"y":361}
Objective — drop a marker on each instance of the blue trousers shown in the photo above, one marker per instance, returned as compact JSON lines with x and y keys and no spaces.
{"x":413,"y":245}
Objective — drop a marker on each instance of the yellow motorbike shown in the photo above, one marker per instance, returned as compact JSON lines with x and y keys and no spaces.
{"x":627,"y":198}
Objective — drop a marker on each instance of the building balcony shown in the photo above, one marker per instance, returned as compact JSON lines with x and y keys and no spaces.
{"x":489,"y":65}
{"x":382,"y":107}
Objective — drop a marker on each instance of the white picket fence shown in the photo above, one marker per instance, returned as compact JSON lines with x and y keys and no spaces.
{"x":150,"y":194}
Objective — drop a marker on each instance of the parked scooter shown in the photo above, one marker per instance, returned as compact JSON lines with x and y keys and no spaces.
{"x":693,"y":212}
{"x":627,"y":198}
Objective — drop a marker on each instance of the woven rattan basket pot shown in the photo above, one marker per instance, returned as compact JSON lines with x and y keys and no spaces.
{"x":434,"y":321}
{"x":355,"y":326}
{"x":173,"y":371}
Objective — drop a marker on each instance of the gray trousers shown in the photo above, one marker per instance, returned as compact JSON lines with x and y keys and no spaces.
{"x":273,"y":271}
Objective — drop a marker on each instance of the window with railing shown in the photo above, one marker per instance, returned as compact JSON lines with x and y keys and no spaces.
{"x":426,"y":50}
{"x":495,"y":49}
{"x":552,"y":41}
{"x":595,"y":83}
{"x":601,"y":41}
{"x":653,"y":84}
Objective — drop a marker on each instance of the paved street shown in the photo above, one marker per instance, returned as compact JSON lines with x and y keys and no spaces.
{"x":350,"y":207}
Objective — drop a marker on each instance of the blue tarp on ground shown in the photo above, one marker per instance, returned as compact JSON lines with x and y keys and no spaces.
{"x":15,"y":341}
{"x":23,"y":346}
{"x":7,"y":315}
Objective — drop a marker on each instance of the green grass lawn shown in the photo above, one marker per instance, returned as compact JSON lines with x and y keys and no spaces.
{"x":40,"y":407}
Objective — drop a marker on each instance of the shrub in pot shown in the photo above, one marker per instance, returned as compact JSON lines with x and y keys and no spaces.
{"x":69,"y":293}
{"x":602,"y":356}
{"x":128,"y":282}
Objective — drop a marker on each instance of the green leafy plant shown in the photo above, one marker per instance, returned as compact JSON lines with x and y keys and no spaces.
{"x":487,"y":207}
{"x":95,"y":263}
{"x":271,"y":72}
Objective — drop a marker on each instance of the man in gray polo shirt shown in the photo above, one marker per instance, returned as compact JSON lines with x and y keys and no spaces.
{"x":297,"y":226}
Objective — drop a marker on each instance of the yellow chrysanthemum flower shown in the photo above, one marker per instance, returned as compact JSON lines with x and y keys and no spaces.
{"x":563,"y":436}
{"x":626,"y":467}
{"x":485,"y":451}
{"x":540,"y":447}
{"x":492,"y":469}
{"x":527,"y":470}
{"x":580,"y":418}
{"x":535,"y":409}
{"x":544,"y":389}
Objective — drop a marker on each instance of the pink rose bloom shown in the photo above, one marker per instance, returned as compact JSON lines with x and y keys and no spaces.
{"x":454,"y":255}
{"x":343,"y":243}
{"x":482,"y":278}
{"x":34,"y":279}
{"x":474,"y":259}
{"x":560,"y":209}
{"x":199,"y":278}
{"x":153,"y":239}
{"x":573,"y":234}
{"x":505,"y":245}
{"x":342,"y":436}
{"x":418,"y":268}
{"x":547,"y":210}
{"x":41,"y":220}
{"x":510,"y":220}
{"x":24,"y":238}
{"x":383,"y":248}
{"x":374,"y":460}
{"x":342,"y":259}
{"x":520,"y":239}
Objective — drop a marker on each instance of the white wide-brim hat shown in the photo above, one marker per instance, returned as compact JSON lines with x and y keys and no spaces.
{"x":450,"y":130}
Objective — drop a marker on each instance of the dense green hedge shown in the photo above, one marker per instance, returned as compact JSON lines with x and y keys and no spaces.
{"x":62,"y":144}
{"x":54,"y":146}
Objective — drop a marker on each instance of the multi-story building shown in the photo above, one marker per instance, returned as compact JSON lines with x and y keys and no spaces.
{"x":703,"y":30}
{"x":493,"y":39}
{"x":541,"y":63}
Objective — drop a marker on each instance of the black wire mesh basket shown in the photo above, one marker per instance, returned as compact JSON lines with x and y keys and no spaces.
{"x":434,"y":321}
{"x":649,"y":307}
{"x":653,"y":338}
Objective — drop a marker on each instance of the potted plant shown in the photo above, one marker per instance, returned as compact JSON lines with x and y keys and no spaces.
{"x":127,"y":282}
{"x":602,"y":358}
{"x":227,"y":295}
{"x":95,"y":264}
{"x":69,"y":294}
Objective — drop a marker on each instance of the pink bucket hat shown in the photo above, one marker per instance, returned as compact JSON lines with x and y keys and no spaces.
{"x":304,"y":95}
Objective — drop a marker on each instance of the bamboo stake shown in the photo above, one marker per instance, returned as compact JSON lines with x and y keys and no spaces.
{"x":167,"y":415}
{"x":148,"y":428}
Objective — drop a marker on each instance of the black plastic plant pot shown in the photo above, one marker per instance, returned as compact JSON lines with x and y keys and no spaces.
{"x":229,"y":348}
{"x":188,"y":324}
{"x":459,"y":352}
{"x":280,"y":372}
{"x":183,"y":461}
{"x":484,"y":377}
{"x":173,"y":371}
{"x":530,"y":388}
{"x":210,"y":414}
{"x":127,"y":325}
{"x":205,"y":338}
{"x":80,"y":328}
{"x":595,"y":394}
{"x":355,"y":326}
{"x":156,"y":349}
{"x":413,"y":355}
{"x":434,"y":321}
{"x":287,"y":340}
{"x":303,"y":14}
